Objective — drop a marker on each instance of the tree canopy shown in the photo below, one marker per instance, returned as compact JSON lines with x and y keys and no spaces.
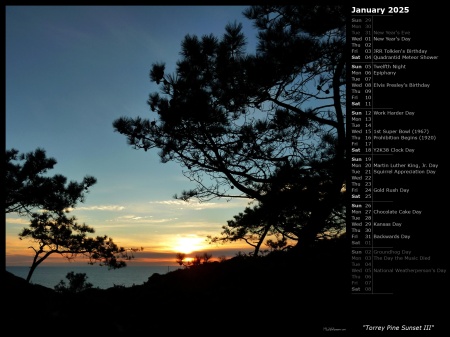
{"x":29,"y":188}
{"x":62,"y":235}
{"x":268,"y":126}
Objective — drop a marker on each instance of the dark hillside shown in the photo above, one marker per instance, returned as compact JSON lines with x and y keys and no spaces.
{"x":278,"y":291}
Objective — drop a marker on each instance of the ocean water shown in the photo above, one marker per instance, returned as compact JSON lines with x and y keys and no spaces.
{"x":100,"y":277}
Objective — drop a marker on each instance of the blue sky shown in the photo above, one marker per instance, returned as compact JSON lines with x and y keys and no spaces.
{"x":70,"y":72}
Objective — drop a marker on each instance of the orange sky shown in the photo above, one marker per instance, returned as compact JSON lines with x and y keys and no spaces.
{"x":159,"y":248}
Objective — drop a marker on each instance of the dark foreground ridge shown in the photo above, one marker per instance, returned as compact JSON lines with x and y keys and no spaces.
{"x":305,"y":293}
{"x":255,"y":292}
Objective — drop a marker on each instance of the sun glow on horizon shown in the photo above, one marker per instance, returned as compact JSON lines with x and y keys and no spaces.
{"x":188,"y":259}
{"x":189,"y":244}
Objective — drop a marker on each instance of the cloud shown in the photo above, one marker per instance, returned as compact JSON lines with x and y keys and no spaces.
{"x":197,"y":205}
{"x":18,"y":221}
{"x":141,"y":219}
{"x":134,"y":217}
{"x":101,"y":208}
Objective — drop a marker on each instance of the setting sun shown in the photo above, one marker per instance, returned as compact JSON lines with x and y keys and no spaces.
{"x":188,"y":244}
